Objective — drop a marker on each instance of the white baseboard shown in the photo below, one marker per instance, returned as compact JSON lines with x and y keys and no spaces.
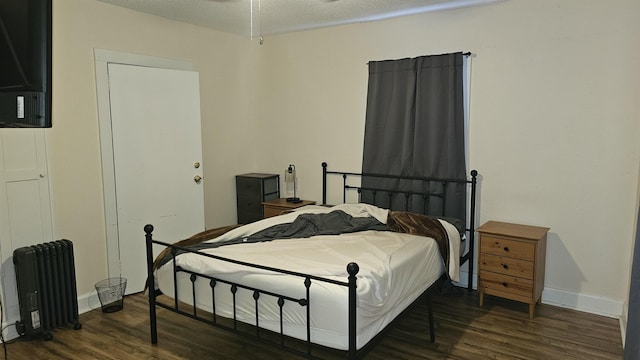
{"x":88,"y":302}
{"x":582,"y":302}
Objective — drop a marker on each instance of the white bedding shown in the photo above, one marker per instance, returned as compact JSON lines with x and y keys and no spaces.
{"x":394,"y":270}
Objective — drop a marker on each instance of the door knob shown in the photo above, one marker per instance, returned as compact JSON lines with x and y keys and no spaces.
{"x":197,"y":179}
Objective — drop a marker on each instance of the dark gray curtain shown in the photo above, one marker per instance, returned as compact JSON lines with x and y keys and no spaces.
{"x":415,"y":127}
{"x":631,"y":344}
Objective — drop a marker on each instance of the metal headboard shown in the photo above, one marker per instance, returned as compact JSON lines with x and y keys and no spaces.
{"x":409,"y":194}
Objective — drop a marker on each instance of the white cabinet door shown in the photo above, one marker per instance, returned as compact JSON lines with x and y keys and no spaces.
{"x":155,"y":120}
{"x":25,"y":206}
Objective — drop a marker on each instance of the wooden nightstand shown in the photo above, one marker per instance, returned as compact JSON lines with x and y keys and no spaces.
{"x":511,"y":262}
{"x":277,"y":206}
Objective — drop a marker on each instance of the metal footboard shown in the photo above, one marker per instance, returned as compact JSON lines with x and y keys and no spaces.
{"x":306,"y":280}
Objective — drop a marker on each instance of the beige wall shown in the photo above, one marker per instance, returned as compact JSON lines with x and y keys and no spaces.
{"x":554,"y":117}
{"x":554,"y":120}
{"x":73,"y":142}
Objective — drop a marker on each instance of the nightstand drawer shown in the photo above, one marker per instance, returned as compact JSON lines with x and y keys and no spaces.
{"x":511,"y":248}
{"x":491,"y":282}
{"x":249,"y":187}
{"x":507,"y":266}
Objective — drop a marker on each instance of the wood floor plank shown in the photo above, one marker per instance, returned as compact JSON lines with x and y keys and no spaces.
{"x":499,"y":330}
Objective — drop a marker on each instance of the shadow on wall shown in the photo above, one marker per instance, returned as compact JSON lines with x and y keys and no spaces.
{"x":561,"y":268}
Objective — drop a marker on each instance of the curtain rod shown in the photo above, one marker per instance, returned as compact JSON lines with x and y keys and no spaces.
{"x":467,"y":54}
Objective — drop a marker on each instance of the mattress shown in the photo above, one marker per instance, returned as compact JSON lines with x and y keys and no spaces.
{"x":395,"y":269}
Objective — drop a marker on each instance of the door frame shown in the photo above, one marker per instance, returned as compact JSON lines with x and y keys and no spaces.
{"x":102,"y":60}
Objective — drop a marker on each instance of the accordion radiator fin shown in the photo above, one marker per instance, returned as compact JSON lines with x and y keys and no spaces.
{"x":47,"y":294}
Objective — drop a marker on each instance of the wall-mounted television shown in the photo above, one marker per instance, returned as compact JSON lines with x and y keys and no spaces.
{"x":25,"y":63}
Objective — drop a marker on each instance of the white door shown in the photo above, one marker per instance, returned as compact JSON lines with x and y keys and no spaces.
{"x":157,"y":155}
{"x":25,"y":209}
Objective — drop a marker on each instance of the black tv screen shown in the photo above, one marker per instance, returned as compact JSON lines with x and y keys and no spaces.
{"x":25,"y":63}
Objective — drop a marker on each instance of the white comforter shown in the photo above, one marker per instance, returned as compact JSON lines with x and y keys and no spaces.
{"x":334,"y":242}
{"x":395,"y":268}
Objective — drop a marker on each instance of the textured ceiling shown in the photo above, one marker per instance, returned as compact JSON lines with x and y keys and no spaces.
{"x":252,"y":18}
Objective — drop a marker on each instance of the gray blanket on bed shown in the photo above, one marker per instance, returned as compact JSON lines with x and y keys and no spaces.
{"x":304,"y":226}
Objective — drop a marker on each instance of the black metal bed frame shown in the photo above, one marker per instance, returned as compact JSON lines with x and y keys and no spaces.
{"x":307,"y":280}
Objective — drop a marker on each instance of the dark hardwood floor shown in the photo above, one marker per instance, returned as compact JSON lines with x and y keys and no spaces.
{"x":499,"y":330}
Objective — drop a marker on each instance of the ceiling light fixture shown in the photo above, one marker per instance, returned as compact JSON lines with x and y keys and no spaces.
{"x":259,"y":20}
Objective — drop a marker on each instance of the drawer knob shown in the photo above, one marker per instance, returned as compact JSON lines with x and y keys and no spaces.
{"x":506,"y":248}
{"x":505,"y":284}
{"x":505,"y":266}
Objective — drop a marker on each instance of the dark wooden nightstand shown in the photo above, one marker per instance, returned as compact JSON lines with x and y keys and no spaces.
{"x":511,"y":262}
{"x":277,"y":206}
{"x":251,"y":190}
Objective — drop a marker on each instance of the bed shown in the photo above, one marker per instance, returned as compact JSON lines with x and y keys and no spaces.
{"x":329,"y":276}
